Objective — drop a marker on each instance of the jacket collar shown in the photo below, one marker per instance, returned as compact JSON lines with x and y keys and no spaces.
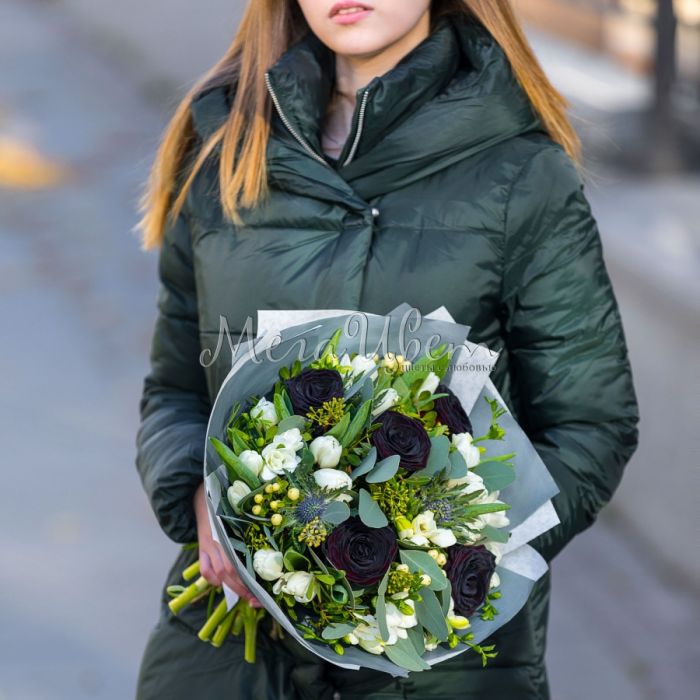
{"x":303,"y":80}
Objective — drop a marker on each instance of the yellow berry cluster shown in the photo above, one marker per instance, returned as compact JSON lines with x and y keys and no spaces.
{"x":273,"y":497}
{"x":395,"y":364}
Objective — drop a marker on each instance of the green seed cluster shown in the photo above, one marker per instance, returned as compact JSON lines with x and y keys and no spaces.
{"x":255,"y":538}
{"x":328,"y":413}
{"x":401,"y":580}
{"x":393,"y":496}
{"x":313,"y":533}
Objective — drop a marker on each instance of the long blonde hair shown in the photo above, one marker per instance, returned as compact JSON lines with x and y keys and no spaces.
{"x":267,"y":30}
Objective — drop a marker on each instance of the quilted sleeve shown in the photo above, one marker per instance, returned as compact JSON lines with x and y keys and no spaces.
{"x":175,"y":404}
{"x":569,"y":368}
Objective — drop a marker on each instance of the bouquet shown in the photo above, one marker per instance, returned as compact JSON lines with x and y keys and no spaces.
{"x":366,"y":499}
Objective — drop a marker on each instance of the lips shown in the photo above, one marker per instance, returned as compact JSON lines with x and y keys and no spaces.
{"x":347,"y":5}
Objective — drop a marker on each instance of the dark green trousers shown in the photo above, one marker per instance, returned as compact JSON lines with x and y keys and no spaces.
{"x":176,"y":665}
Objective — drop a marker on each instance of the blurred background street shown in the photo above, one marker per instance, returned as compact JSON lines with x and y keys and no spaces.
{"x":86,"y":88}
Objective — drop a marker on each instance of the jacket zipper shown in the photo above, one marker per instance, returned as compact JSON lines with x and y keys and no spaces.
{"x":302,"y":141}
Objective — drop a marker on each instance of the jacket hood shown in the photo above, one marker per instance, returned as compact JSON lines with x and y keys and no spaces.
{"x":451,"y":96}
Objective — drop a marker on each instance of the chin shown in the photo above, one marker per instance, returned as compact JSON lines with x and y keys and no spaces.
{"x":361,"y":44}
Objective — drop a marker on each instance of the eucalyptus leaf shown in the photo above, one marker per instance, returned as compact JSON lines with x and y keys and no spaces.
{"x":496,"y":475}
{"x":430,"y":616}
{"x":384,"y":470}
{"x":495,"y":534}
{"x":291,"y":422}
{"x":336,"y":512}
{"x":366,"y":464}
{"x":438,"y":457}
{"x":417,"y":560}
{"x":380,"y":608}
{"x":458,"y":467}
{"x":337,"y":630}
{"x":370,"y":512}
{"x":404,"y":654}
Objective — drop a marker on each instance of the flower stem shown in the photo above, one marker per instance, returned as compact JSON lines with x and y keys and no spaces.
{"x":215,"y":619}
{"x":191,"y":571}
{"x":188,"y":595}
{"x":223,"y":629}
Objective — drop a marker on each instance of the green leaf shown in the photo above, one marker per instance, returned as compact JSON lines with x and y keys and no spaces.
{"x":332,"y":344}
{"x":325,"y":578}
{"x":336,"y":512}
{"x":294,"y":561}
{"x":357,"y":424}
{"x":495,"y":534}
{"x":366,"y":464}
{"x":429,"y":614}
{"x":340,"y":427}
{"x":380,"y":608}
{"x":439,"y":455}
{"x":280,"y":405}
{"x":291,"y":422}
{"x":404,"y":654}
{"x":235,"y":468}
{"x":337,"y":630}
{"x":370,"y":512}
{"x":238,"y":440}
{"x":458,"y":467}
{"x":384,"y":470}
{"x":496,"y":475}
{"x":417,"y":560}
{"x":415,"y":634}
{"x":483,"y":508}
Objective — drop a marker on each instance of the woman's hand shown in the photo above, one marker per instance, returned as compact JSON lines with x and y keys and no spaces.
{"x":214,"y":565}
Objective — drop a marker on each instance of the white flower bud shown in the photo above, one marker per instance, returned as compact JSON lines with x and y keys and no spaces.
{"x":236,"y":492}
{"x":429,"y":384}
{"x":388,"y":398}
{"x":264,"y":410}
{"x":299,"y":584}
{"x":252,"y":460}
{"x":332,"y":479}
{"x":268,"y":564}
{"x":326,"y":451}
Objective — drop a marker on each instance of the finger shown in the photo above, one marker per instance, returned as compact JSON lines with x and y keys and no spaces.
{"x":206,"y":569}
{"x":217,"y":562}
{"x":239,"y":587}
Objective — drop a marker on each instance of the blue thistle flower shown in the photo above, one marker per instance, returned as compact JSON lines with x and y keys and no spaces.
{"x":311,"y":507}
{"x":441,"y":508}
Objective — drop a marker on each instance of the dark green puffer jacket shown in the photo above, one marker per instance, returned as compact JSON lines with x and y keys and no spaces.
{"x":448,"y":192}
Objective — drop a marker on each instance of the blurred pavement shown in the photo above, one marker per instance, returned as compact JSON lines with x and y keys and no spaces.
{"x":83,"y":557}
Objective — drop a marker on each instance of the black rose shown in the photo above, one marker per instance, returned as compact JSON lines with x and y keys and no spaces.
{"x":404,"y":436}
{"x":469,"y":570}
{"x":364,"y":553}
{"x":450,"y":411}
{"x":312,"y":387}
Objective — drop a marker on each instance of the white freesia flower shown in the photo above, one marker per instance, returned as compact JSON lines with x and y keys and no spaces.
{"x":299,"y":584}
{"x":495,"y":581}
{"x":431,"y":643}
{"x":368,"y":636}
{"x":425,"y":531}
{"x":278,"y":460}
{"x":498,"y":519}
{"x":457,"y":622}
{"x":388,"y":398}
{"x":264,"y":410}
{"x":470,"y":452}
{"x":363,"y":363}
{"x":268,"y":564}
{"x":326,"y":451}
{"x":291,"y":439}
{"x":472,"y":482}
{"x":496,"y":548}
{"x":236,"y":492}
{"x":399,"y":622}
{"x":334,"y":479}
{"x":253,"y":460}
{"x":429,"y":384}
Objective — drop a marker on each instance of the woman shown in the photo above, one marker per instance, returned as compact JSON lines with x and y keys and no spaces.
{"x":345,"y":158}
